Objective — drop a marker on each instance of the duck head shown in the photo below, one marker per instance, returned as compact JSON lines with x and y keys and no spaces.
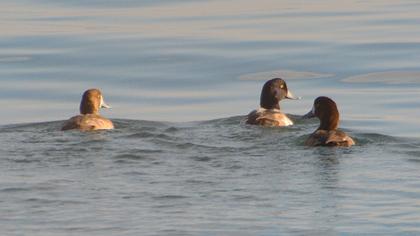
{"x":326,"y":110}
{"x":272,"y":92}
{"x":92,"y":101}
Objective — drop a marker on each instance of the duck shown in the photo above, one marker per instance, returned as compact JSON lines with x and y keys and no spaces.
{"x":327,"y":134}
{"x":89,"y":118}
{"x":269,"y":113}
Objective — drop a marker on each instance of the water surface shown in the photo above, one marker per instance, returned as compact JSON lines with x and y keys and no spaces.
{"x":180,"y":75}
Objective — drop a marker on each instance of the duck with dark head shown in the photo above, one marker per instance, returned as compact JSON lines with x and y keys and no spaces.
{"x":89,"y":118}
{"x":327,"y":134}
{"x":269,"y":113}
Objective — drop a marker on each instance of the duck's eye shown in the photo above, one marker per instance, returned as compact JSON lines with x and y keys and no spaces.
{"x":281,"y":86}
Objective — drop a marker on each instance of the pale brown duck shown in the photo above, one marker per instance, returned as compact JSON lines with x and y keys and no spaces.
{"x":89,"y":118}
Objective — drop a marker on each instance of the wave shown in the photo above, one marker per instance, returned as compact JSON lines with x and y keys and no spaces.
{"x":228,"y":135}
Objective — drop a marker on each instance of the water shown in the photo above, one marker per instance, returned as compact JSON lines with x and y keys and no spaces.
{"x":180,"y":75}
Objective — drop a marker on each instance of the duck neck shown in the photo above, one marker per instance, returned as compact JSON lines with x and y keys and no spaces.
{"x":88,"y":108}
{"x":329,"y":122}
{"x":276,"y":106}
{"x":269,"y":102}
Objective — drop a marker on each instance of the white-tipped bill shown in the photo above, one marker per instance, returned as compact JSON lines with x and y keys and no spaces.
{"x":290,"y":95}
{"x":103,"y":104}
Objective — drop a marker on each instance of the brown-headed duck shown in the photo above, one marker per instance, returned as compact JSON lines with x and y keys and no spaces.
{"x":269,"y":113}
{"x":327,"y":134}
{"x":89,"y":118}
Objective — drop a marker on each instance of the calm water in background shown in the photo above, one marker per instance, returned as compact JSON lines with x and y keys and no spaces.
{"x":180,"y":75}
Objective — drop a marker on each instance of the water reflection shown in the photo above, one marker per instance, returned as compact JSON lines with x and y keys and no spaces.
{"x":292,"y":75}
{"x":327,"y":164}
{"x":389,"y":77}
{"x":185,"y":58}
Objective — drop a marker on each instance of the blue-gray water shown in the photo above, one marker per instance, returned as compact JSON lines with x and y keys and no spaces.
{"x":180,"y":75}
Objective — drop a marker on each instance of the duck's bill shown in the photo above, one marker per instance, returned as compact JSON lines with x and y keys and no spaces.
{"x":290,"y":95}
{"x":104,"y":105}
{"x":310,"y":114}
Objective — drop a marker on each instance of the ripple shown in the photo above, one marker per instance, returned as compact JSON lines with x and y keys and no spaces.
{"x":169,"y":197}
{"x":25,"y":161}
{"x":201,"y":158}
{"x":285,"y":74}
{"x":135,"y":173}
{"x":148,"y":151}
{"x":199,"y":182}
{"x":15,"y":189}
{"x":233,"y":120}
{"x":146,"y":134}
{"x":140,"y":135}
{"x":415,"y":160}
{"x":172,"y":130}
{"x":131,"y":157}
{"x":369,"y":138}
{"x":45,"y":201}
{"x":388,"y":77}
{"x":11,"y":59}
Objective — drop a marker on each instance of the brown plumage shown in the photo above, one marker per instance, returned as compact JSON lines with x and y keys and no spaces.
{"x":269,"y":114}
{"x":327,"y":133}
{"x":89,"y":118}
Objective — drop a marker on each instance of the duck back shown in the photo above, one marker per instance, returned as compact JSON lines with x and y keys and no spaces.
{"x":268,"y":117}
{"x":88,"y":122}
{"x":329,"y":138}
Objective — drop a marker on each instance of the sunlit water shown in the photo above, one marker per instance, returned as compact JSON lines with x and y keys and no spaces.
{"x":180,"y":75}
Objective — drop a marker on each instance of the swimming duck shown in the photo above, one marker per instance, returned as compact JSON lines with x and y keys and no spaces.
{"x":89,"y":118}
{"x":269,"y":113}
{"x":327,"y":134}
